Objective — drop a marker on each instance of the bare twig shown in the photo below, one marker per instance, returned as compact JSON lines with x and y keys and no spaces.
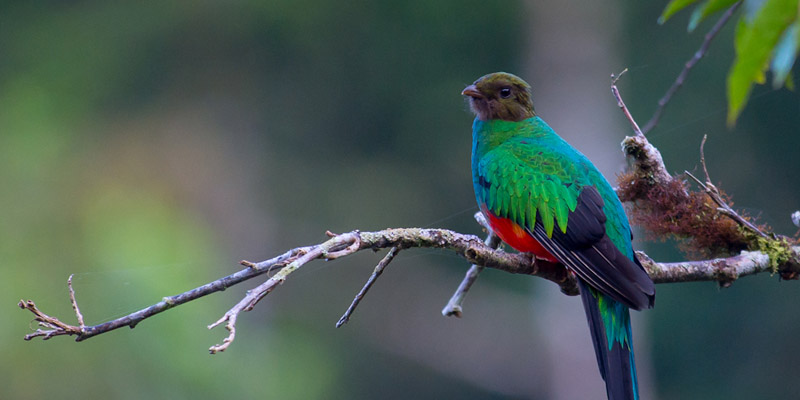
{"x":337,"y":246}
{"x":621,"y":104}
{"x":723,"y":206}
{"x":715,"y":195}
{"x":646,"y":158}
{"x":86,"y":332}
{"x":75,"y":303}
{"x":662,"y":103}
{"x":372,"y":278}
{"x":454,"y":307}
{"x":54,"y":325}
{"x":703,"y":157}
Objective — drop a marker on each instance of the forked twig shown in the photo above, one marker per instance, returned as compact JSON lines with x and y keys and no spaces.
{"x":715,"y":195}
{"x":54,"y":326}
{"x":335,"y":247}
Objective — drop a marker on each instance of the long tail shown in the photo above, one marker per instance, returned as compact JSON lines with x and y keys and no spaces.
{"x":610,"y":325}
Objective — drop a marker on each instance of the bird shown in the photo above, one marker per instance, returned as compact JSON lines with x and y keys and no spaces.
{"x":540,"y":195}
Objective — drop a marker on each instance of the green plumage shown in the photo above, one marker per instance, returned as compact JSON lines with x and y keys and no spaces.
{"x":529,"y":169}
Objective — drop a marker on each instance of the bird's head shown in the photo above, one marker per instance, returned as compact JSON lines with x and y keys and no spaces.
{"x":500,"y":95}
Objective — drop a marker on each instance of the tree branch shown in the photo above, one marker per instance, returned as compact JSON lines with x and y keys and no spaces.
{"x":468,"y":246}
{"x":454,"y":306}
{"x":722,"y":270}
{"x":83,"y":333}
{"x":662,"y":103}
{"x":372,"y":278}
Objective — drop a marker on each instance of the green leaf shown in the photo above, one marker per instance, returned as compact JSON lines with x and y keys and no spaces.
{"x":738,"y":38}
{"x":785,"y":54}
{"x":754,"y":43}
{"x":672,"y":7}
{"x":704,"y":10}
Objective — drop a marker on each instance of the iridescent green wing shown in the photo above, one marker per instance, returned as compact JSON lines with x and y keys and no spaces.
{"x":522,"y":181}
{"x":542,"y":184}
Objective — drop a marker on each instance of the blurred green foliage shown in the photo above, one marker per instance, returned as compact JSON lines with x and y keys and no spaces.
{"x":148,"y":146}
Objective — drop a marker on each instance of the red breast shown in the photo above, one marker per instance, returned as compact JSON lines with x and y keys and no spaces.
{"x":516,"y":236}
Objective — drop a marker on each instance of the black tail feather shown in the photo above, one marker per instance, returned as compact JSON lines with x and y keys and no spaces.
{"x":617,"y":366}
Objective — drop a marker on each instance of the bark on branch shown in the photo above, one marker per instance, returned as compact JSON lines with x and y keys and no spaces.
{"x":473,"y":249}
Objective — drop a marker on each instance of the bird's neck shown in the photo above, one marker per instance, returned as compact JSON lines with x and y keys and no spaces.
{"x":486,"y":135}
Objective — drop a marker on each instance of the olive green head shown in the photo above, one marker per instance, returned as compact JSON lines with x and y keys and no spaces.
{"x":500,"y":95}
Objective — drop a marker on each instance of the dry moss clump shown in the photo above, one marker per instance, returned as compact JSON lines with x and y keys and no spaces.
{"x":671,"y":209}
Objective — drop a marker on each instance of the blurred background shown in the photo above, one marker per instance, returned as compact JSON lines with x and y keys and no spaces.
{"x":148,"y":146}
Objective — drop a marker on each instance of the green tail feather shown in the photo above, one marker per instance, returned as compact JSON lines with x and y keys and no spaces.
{"x":610,"y":326}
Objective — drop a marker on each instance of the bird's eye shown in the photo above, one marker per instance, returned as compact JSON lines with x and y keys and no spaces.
{"x":505,"y":92}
